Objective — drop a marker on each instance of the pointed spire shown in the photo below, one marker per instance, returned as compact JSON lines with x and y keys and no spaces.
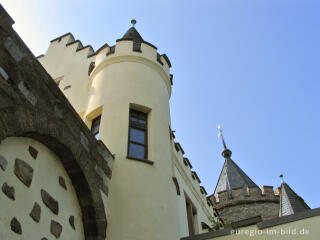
{"x":290,"y":202}
{"x":132,"y":34}
{"x":231,"y":175}
{"x":226,"y":153}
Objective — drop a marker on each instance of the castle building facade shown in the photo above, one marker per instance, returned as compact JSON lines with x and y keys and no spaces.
{"x":87,"y":150}
{"x":122,"y":93}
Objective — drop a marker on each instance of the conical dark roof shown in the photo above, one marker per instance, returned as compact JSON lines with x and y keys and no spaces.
{"x":290,"y":202}
{"x":132,"y":34}
{"x":231,"y":177}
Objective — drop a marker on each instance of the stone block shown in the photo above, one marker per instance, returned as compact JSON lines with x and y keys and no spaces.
{"x":55,"y":229}
{"x":50,"y":202}
{"x":36,"y":212}
{"x":33,"y":152}
{"x":62,"y":182}
{"x":16,"y":226}
{"x":8,"y":191}
{"x":71,"y":221}
{"x":3,"y":163}
{"x":23,"y":171}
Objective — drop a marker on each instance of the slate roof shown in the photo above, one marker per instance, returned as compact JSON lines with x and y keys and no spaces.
{"x":132,"y":34}
{"x":290,"y":202}
{"x":231,"y":177}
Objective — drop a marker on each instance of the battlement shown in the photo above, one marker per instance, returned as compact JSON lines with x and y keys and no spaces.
{"x":129,"y":51}
{"x":184,"y":164}
{"x":67,"y":45}
{"x":125,"y":50}
{"x":240,"y":196}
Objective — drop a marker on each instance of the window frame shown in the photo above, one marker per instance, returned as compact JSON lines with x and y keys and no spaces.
{"x":140,"y":115}
{"x":98,"y":118}
{"x":191,"y":212}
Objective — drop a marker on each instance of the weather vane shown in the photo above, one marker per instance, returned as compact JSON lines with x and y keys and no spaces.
{"x":220,"y":135}
{"x":133,"y":22}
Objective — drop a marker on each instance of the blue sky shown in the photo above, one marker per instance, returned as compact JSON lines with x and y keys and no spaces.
{"x":251,"y":66}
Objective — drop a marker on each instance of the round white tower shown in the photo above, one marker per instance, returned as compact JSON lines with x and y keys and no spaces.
{"x":130,"y":86}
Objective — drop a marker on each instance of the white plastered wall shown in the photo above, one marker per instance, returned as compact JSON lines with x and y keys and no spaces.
{"x":65,"y":61}
{"x":204,"y":212}
{"x":141,"y":202}
{"x":47,"y":168}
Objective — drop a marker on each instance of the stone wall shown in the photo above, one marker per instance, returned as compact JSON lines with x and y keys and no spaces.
{"x":39,"y":193}
{"x":267,"y":210}
{"x":236,"y":205}
{"x":32,"y":106}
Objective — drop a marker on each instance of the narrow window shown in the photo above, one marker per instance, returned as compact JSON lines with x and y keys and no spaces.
{"x":137,"y":145}
{"x":192,"y":216}
{"x":95,"y":126}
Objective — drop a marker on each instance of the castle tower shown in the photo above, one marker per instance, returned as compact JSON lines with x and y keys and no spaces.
{"x":130,"y":89}
{"x":237,"y":197}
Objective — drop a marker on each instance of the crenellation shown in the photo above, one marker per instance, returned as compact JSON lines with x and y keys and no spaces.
{"x":267,"y":190}
{"x":58,"y":39}
{"x":254,"y":192}
{"x":89,"y":47}
{"x":238,"y":193}
{"x":203,"y":190}
{"x":192,"y":175}
{"x":195,"y":176}
{"x":223,"y":196}
{"x":77,"y":44}
{"x":187,"y":162}
{"x":239,"y":204}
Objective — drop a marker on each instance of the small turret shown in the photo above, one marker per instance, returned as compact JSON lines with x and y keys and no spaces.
{"x":290,"y":202}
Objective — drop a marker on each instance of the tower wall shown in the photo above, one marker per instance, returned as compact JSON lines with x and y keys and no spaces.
{"x":235,"y":205}
{"x":142,"y":196}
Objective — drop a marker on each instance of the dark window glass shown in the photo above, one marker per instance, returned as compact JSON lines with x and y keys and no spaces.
{"x":137,"y":145}
{"x":137,"y":135}
{"x":136,"y":150}
{"x":95,"y":126}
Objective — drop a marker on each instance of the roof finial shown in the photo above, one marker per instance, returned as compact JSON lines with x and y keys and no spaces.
{"x":281,"y":176}
{"x":226,"y":153}
{"x":133,"y":22}
{"x":220,"y":135}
